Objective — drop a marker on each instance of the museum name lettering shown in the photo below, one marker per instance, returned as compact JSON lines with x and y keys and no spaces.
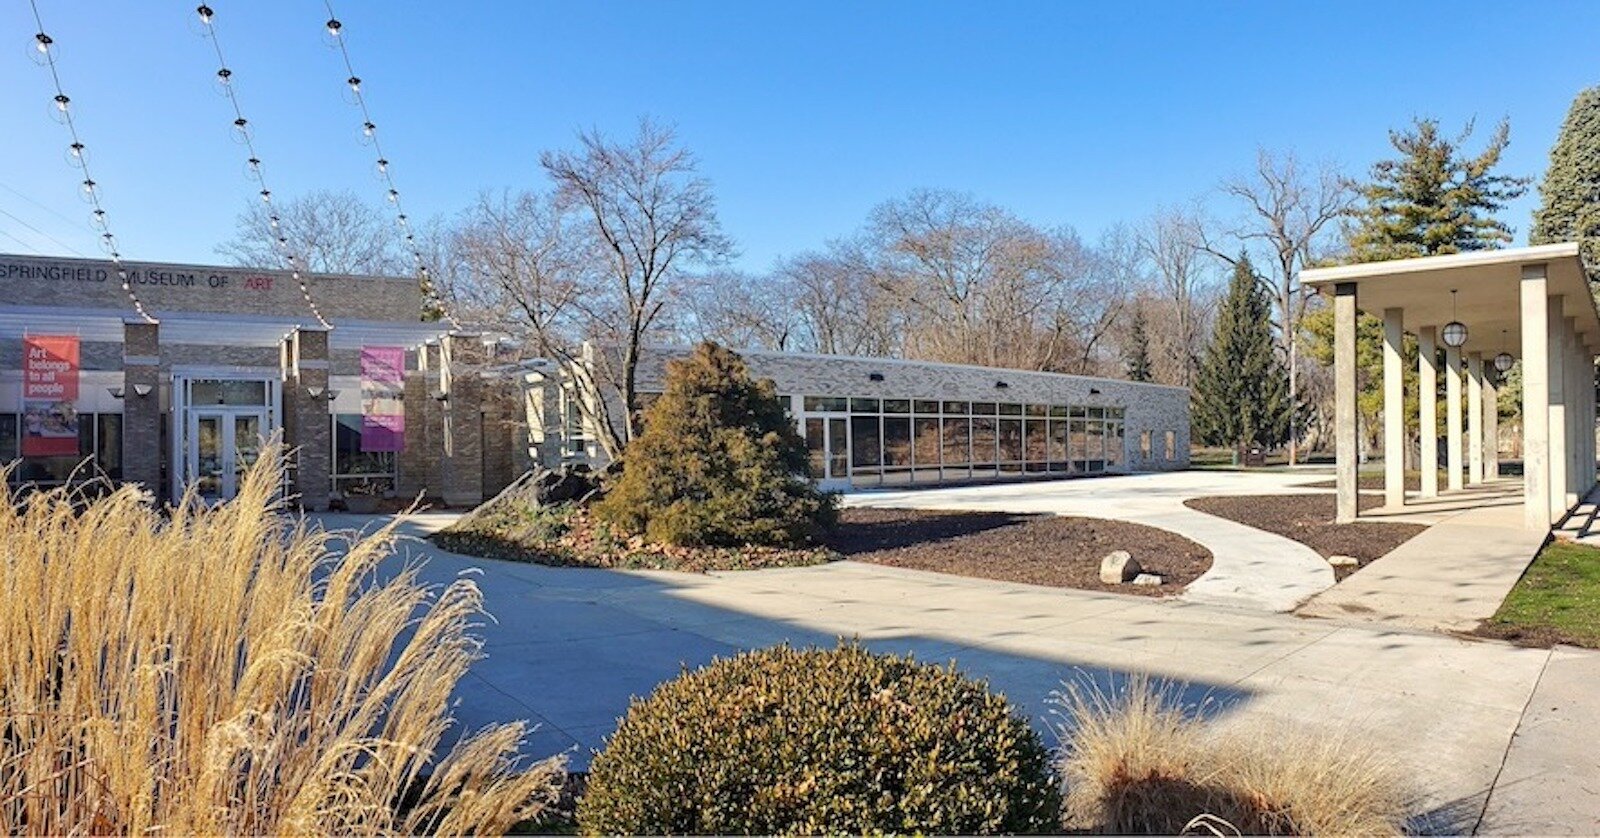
{"x":91,"y":273}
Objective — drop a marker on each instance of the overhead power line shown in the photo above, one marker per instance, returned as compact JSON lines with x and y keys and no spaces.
{"x":241,"y":128}
{"x":78,"y":155}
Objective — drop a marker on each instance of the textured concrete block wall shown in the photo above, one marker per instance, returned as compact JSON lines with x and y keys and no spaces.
{"x":461,"y":463}
{"x":141,"y":415}
{"x":310,"y":434}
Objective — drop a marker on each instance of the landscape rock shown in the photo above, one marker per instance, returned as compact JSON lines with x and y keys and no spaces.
{"x":568,"y":483}
{"x":1147,"y":579}
{"x":1344,"y":561}
{"x":1118,"y":567}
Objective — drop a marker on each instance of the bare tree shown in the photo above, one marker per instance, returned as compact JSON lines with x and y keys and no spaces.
{"x":1171,"y":241}
{"x":1289,"y":214}
{"x":333,"y":232}
{"x":739,"y":310}
{"x":650,"y":217}
{"x":521,"y":263}
{"x":841,"y":306}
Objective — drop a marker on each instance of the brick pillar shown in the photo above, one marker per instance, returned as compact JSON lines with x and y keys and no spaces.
{"x":141,"y":414}
{"x":461,"y":463}
{"x":412,"y":461}
{"x":308,"y":424}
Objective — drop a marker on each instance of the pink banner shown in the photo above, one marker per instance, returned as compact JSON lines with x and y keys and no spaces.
{"x":383,"y":409}
{"x":49,"y":396}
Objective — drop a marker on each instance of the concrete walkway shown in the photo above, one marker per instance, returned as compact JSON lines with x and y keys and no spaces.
{"x":1452,"y":576}
{"x":569,"y":647}
{"x":1250,"y":568}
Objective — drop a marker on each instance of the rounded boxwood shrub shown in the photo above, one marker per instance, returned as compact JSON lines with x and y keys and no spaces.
{"x":820,"y":741}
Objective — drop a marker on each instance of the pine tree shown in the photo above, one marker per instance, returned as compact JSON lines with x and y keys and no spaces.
{"x":1241,"y":394}
{"x":1569,"y":196}
{"x":718,"y":463}
{"x":1433,"y":199}
{"x":1136,"y":354}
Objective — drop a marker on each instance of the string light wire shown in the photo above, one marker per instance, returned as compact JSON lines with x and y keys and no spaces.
{"x":369,"y":133}
{"x":241,"y":127}
{"x":77,"y":153}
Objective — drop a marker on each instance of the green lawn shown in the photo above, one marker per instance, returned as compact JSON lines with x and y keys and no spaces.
{"x":1556,"y":601}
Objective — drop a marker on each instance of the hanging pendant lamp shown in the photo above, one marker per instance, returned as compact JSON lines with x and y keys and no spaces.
{"x":1455,"y":332}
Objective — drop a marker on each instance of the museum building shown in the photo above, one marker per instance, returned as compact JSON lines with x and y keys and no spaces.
{"x":375,"y":402}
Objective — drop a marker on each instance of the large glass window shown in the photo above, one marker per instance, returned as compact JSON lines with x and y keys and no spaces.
{"x":896,"y":450}
{"x":356,"y":471}
{"x":815,"y":451}
{"x":99,"y":451}
{"x":985,"y":446}
{"x":1037,"y":445}
{"x":866,"y":450}
{"x":1058,"y":445}
{"x":957,"y":447}
{"x":1010,"y":446}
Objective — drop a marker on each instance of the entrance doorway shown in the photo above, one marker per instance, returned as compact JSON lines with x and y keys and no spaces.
{"x":828,"y":444}
{"x":220,"y":419}
{"x":223,"y":444}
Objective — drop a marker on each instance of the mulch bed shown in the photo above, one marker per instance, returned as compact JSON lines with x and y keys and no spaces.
{"x":1308,"y":519}
{"x":1053,"y":550}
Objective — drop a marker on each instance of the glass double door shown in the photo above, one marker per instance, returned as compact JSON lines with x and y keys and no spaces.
{"x":223,"y":444}
{"x":828,"y":444}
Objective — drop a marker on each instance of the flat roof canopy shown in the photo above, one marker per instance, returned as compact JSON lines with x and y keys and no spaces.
{"x":209,"y":329}
{"x":1488,"y":286}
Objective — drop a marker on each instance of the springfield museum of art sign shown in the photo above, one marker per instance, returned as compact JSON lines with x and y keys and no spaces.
{"x":93,"y":283}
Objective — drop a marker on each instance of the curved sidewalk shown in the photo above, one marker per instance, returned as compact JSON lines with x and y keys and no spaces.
{"x":1250,"y":568}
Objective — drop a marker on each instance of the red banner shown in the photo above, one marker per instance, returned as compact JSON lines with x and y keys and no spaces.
{"x":383,"y":407}
{"x":49,"y":394}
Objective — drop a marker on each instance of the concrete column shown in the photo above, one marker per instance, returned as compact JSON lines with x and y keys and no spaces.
{"x":310,"y":434}
{"x":1428,"y":408}
{"x":1346,"y":451}
{"x":1575,"y":413}
{"x":1394,"y":407}
{"x":1452,"y":416}
{"x":461,"y":463}
{"x":1474,"y":417}
{"x":1535,"y":398}
{"x":141,"y":405}
{"x":1491,"y":424}
{"x":1559,"y":439}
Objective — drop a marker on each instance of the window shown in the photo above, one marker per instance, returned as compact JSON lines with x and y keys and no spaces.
{"x":1144,"y":444}
{"x":1172,"y":446}
{"x":863,"y":405}
{"x":356,"y":471}
{"x":826,"y":404}
{"x":99,"y":443}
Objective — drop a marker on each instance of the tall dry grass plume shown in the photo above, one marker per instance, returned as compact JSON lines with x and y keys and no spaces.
{"x":222,"y":670}
{"x":1135,"y":763}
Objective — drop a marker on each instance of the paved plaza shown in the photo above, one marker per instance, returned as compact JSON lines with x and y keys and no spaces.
{"x":568,"y":648}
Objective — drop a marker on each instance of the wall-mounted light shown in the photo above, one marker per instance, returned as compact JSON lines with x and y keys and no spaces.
{"x":1094,"y":391}
{"x":441,"y":396}
{"x":142,"y":390}
{"x":315,"y":392}
{"x":1001,"y":385}
{"x":874,"y":376}
{"x":333,"y":394}
{"x":116,"y":392}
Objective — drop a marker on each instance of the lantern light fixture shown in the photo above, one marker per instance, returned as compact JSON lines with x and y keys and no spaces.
{"x":1503,"y":361}
{"x":1455,"y":332}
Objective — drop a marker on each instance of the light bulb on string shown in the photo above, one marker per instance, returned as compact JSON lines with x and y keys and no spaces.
{"x":62,"y":102}
{"x":205,"y":14}
{"x":42,"y":43}
{"x":225,"y":76}
{"x":368,"y":129}
{"x":334,"y":27}
{"x":98,"y":218}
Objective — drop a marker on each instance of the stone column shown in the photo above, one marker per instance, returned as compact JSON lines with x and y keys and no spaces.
{"x":1491,"y":425}
{"x":1452,"y":416}
{"x":1559,"y":439}
{"x":1474,"y":418}
{"x":141,"y":406}
{"x":1394,"y":408}
{"x":1535,"y":304}
{"x":1575,"y":413}
{"x":305,"y":397}
{"x":461,"y":465}
{"x":1346,"y":443}
{"x":1428,"y":408}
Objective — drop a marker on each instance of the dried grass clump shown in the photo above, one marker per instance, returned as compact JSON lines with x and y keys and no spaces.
{"x":221,"y":672}
{"x":1137,"y":764}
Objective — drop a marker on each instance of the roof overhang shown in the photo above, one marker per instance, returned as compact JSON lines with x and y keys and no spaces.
{"x":207,"y":329}
{"x":1488,"y":285}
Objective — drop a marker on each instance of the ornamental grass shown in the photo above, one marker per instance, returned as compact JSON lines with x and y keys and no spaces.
{"x":221,"y":670}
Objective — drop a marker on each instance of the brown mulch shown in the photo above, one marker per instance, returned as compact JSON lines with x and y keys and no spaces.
{"x":1308,"y":519}
{"x":1053,"y":550}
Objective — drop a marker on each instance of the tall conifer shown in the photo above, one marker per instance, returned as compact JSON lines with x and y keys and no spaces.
{"x":1241,"y":395}
{"x":1569,"y":196}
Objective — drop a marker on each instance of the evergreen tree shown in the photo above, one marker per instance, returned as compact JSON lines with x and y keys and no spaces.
{"x":1241,"y":394}
{"x":1433,"y":199}
{"x":1136,"y":354}
{"x":1569,"y":196}
{"x":718,"y":463}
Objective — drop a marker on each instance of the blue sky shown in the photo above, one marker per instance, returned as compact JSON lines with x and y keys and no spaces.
{"x":804,"y":116}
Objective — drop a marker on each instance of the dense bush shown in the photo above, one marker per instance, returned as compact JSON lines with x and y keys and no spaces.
{"x":718,"y":464}
{"x":820,"y":741}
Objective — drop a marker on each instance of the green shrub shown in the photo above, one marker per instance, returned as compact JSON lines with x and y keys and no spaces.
{"x":820,"y":741}
{"x":718,"y":464}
